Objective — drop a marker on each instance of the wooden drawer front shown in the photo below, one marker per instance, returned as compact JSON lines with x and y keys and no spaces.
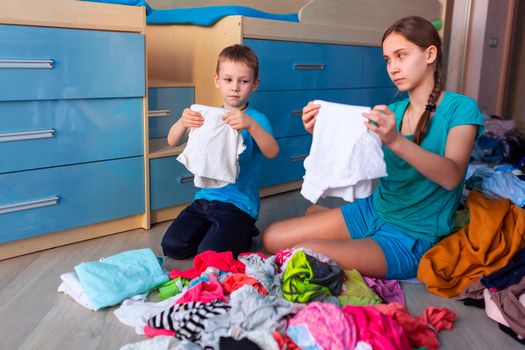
{"x":284,"y":108}
{"x":170,"y":183}
{"x":53,"y":199}
{"x":39,"y":134}
{"x":298,"y":66}
{"x":38,"y":63}
{"x":288,"y":166}
{"x":165,"y":106}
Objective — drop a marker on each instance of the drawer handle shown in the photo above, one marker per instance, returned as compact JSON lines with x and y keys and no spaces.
{"x":301,"y":66}
{"x":29,"y":205}
{"x":27,"y":64}
{"x":298,"y":158}
{"x":27,"y":135}
{"x":159,"y":113}
{"x":297,"y":113}
{"x":186,"y":179}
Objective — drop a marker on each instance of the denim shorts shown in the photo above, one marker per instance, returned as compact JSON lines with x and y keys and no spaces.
{"x":402,"y":251}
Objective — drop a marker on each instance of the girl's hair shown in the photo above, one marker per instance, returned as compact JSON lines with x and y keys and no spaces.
{"x":239,"y":53}
{"x":422,"y":33}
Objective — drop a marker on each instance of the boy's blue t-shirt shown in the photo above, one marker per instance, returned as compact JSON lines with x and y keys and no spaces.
{"x":409,"y":200}
{"x":244,"y":193}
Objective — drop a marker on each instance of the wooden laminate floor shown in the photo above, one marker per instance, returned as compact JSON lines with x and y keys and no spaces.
{"x":33,"y":315}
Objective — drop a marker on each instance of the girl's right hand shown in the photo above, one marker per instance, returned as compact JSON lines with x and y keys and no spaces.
{"x":191,"y":119}
{"x":308,"y":117}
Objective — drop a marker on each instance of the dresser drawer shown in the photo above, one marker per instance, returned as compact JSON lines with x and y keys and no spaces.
{"x":47,"y":200}
{"x":299,"y":66}
{"x":288,"y":166}
{"x":37,"y":134}
{"x":38,"y":63}
{"x":284,"y":108}
{"x":165,"y":106}
{"x":170,"y":183}
{"x":381,"y":96}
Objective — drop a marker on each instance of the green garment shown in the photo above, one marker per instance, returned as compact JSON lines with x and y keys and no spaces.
{"x":357,"y":292}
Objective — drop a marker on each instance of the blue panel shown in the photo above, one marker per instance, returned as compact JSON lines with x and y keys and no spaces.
{"x":88,"y":193}
{"x":277,"y":60}
{"x":170,"y":183}
{"x":288,"y":166}
{"x":284,"y":109}
{"x":173,"y":99}
{"x":374,"y":72}
{"x":87,"y":63}
{"x":85,"y":130}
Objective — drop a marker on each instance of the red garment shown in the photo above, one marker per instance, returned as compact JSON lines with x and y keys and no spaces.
{"x":439,"y":317}
{"x":154,"y":332}
{"x":417,"y":330}
{"x":223,"y":261}
{"x":237,"y":280}
{"x":205,"y":292}
{"x":284,"y":342}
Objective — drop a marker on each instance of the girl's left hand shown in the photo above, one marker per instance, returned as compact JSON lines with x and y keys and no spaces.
{"x":385,"y":123}
{"x":238,"y":120}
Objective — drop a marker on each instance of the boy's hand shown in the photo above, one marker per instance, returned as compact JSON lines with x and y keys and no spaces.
{"x":191,"y":119}
{"x":308,"y":117}
{"x":385,"y":124}
{"x":238,"y":120}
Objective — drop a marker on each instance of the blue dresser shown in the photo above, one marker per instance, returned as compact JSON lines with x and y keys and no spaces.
{"x":294,"y":73}
{"x":71,"y":128}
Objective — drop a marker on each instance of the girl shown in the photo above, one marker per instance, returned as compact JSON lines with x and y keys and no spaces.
{"x":427,"y":140}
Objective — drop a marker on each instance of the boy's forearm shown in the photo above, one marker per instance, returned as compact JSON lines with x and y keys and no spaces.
{"x":265,"y":141}
{"x":175,"y":133}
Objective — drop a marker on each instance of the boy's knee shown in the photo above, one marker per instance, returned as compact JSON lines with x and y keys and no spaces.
{"x":176,"y":249}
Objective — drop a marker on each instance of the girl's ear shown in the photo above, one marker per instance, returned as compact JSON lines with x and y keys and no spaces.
{"x":431,"y":53}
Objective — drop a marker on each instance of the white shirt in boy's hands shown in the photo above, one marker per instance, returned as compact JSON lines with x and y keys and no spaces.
{"x":344,"y":157}
{"x":212,"y":151}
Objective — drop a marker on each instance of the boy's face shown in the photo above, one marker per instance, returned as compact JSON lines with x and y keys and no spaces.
{"x":235,"y":82}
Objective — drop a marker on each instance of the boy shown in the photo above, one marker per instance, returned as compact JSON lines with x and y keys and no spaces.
{"x":223,"y":219}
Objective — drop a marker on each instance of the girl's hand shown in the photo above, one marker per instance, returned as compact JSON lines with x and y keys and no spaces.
{"x":238,"y":120}
{"x":384,"y":124}
{"x":191,"y":119}
{"x":308,"y":117}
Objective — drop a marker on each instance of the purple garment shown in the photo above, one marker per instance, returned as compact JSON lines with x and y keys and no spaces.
{"x":388,"y":290}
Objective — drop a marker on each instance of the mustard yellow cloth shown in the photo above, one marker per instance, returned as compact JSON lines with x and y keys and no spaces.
{"x":496,"y":232}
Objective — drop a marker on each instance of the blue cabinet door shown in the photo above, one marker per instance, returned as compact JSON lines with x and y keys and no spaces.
{"x":165,"y":106}
{"x":170,"y":183}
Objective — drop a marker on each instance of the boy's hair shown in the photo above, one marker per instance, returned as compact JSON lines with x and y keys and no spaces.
{"x":239,"y":53}
{"x":422,"y":33}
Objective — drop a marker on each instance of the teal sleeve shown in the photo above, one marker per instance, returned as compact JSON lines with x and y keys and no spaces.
{"x":467,"y":113}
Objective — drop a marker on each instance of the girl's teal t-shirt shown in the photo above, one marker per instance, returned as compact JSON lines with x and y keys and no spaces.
{"x":409,"y":200}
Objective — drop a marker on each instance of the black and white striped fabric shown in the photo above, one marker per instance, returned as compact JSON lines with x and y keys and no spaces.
{"x":187,"y":319}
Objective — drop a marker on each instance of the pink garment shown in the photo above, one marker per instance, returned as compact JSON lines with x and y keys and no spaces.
{"x":417,"y":331}
{"x":327,"y":324}
{"x":388,"y":290}
{"x":154,"y":332}
{"x":223,"y":261}
{"x":205,"y":292}
{"x":237,"y":280}
{"x":439,"y":318}
{"x":282,"y":256}
{"x":377,"y":329}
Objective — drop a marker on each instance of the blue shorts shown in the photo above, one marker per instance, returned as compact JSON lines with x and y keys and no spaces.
{"x":402,"y":251}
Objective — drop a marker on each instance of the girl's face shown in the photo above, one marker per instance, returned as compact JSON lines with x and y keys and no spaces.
{"x":408,"y":65}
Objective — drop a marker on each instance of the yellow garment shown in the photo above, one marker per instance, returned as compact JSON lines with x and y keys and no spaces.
{"x":494,"y":235}
{"x":357,"y":291}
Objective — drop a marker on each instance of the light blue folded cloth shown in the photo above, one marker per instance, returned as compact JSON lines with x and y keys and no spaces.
{"x":118,"y":277}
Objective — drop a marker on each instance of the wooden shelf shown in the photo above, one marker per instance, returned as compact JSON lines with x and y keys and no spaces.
{"x":156,"y":83}
{"x":159,"y":148}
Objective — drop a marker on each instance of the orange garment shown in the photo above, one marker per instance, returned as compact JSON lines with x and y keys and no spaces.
{"x":238,"y":280}
{"x":494,"y":235}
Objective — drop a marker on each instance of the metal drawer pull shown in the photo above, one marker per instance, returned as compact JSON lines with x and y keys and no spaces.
{"x":298,"y":158}
{"x":299,"y":66}
{"x":186,"y":179}
{"x":4,"y":209}
{"x":27,"y":64}
{"x":297,"y":113}
{"x":27,"y":135}
{"x":159,"y":113}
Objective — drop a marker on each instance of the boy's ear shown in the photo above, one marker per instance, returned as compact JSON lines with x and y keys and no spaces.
{"x":216,"y":80}
{"x":255,"y":84}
